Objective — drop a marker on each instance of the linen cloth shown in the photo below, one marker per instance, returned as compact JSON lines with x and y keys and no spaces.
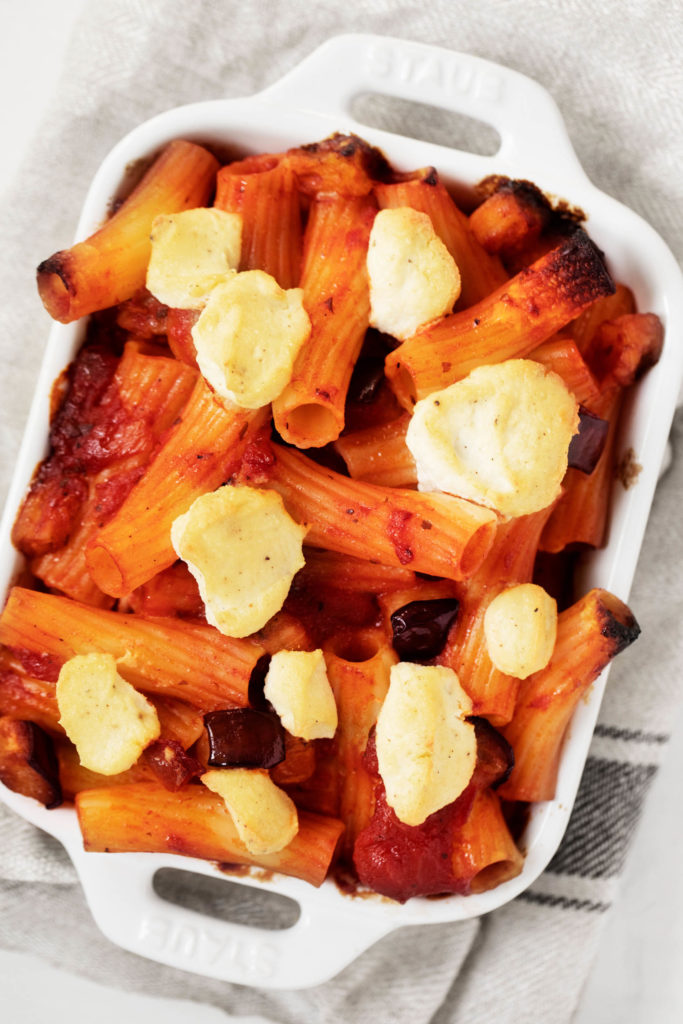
{"x":615,"y":73}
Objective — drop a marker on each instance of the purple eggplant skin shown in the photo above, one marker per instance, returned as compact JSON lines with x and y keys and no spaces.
{"x":244,"y":738}
{"x":586,"y":447}
{"x":420,"y":628}
{"x":257,"y":682}
{"x":495,"y":756}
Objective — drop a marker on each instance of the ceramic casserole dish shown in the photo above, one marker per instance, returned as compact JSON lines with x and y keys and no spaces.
{"x":311,"y":102}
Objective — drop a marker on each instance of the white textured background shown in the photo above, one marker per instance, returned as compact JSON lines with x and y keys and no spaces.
{"x":638,"y":976}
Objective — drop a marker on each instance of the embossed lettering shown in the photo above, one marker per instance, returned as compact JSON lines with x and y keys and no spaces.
{"x":379,"y":61}
{"x":440,"y":72}
{"x":209,"y":947}
{"x":154,"y":931}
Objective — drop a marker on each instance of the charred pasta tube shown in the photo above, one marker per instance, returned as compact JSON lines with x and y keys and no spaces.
{"x":511,"y":322}
{"x":511,"y":218}
{"x":111,"y":265}
{"x":589,"y":635}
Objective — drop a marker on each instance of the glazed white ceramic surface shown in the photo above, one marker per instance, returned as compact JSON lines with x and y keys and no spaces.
{"x":312,"y":101}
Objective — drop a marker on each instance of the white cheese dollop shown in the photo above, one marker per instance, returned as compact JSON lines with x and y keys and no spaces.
{"x":244,"y":549}
{"x":248,"y":337}
{"x":520,"y":626}
{"x":106,"y":719}
{"x":426,"y":751}
{"x":499,"y":437}
{"x":298,"y":688}
{"x":413,"y":277}
{"x":265,"y":816}
{"x":192,"y":252}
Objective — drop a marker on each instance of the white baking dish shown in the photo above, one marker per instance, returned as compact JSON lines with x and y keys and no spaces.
{"x":312,"y":101}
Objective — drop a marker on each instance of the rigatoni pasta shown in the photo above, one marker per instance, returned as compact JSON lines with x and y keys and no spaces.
{"x":110,"y":266}
{"x":309,"y":412}
{"x":396,"y":577}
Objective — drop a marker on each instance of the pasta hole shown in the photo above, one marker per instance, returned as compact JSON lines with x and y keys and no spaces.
{"x":360,"y":647}
{"x":403,"y":387}
{"x":495,"y":874}
{"x":425,"y":123}
{"x":477,"y":548}
{"x":225,"y":900}
{"x":316,"y":425}
{"x":106,"y":571}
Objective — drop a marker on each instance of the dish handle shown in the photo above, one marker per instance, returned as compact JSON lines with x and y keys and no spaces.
{"x":120,"y":892}
{"x":523,"y":113}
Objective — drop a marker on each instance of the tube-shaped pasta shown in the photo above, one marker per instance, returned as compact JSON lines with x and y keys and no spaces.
{"x":432,"y":533}
{"x":341,"y":165}
{"x":178,"y":719}
{"x":284,"y":632}
{"x":379,"y":454}
{"x":359,"y":689}
{"x":509,"y":562}
{"x":111,"y":265}
{"x":607,"y":307}
{"x":145,"y":817}
{"x":51,"y":509}
{"x":75,"y":778}
{"x":271,"y":219}
{"x":25,"y":697}
{"x":619,"y":350}
{"x":580,"y":515}
{"x":352,"y":574}
{"x":623,"y":349}
{"x":589,"y":635}
{"x":480,"y":272}
{"x":484,"y":853}
{"x":511,"y":322}
{"x":173,"y":591}
{"x":189,"y":661}
{"x":200,"y":453}
{"x":562,"y":356}
{"x":179,"y":324}
{"x":310,"y":411}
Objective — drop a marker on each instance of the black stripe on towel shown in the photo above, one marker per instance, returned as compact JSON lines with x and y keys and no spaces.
{"x":611,"y":732}
{"x":605,"y":814}
{"x":564,"y":902}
